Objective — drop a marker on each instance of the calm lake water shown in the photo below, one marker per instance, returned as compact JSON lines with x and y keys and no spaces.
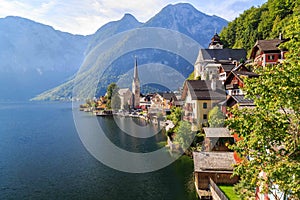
{"x":42,"y":157}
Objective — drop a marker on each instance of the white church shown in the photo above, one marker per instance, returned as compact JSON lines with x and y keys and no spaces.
{"x":131,"y":99}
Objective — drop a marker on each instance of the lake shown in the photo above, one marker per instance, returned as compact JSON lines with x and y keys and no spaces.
{"x":42,"y":157}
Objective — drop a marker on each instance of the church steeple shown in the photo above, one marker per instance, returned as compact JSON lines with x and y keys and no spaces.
{"x":135,"y":75}
{"x":216,"y":42}
{"x":136,"y":85}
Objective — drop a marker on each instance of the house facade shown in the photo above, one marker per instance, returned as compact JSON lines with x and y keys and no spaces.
{"x":267,"y":52}
{"x":199,"y":98}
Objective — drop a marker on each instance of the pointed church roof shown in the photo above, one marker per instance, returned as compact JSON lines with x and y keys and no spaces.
{"x":135,"y":75}
{"x":216,"y":40}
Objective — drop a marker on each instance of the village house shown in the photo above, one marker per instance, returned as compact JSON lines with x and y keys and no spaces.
{"x":234,"y":84}
{"x":214,"y":164}
{"x":216,"y":60}
{"x":235,"y":81}
{"x":212,"y":169}
{"x":162,"y":102}
{"x":199,"y":98}
{"x":217,"y":139}
{"x":267,"y":52}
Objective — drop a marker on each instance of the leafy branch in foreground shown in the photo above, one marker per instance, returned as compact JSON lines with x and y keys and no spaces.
{"x":270,"y":131}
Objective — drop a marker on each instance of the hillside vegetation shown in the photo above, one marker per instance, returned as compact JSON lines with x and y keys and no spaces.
{"x":265,"y":22}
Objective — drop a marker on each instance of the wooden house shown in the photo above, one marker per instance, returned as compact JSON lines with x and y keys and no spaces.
{"x":217,"y":139}
{"x":267,"y":52}
{"x":235,"y":81}
{"x":217,"y":166}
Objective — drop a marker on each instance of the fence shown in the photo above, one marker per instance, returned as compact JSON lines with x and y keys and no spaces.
{"x":215,"y":190}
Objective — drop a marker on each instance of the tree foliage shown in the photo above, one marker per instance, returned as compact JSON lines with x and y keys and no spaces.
{"x":176,"y":115}
{"x":184,"y":135}
{"x":265,"y":22}
{"x":216,"y":118}
{"x":270,"y":132}
{"x":112,"y":90}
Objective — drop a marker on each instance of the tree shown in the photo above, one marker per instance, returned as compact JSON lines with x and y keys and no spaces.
{"x":215,"y":117}
{"x":184,"y":135}
{"x":111,"y":90}
{"x":176,"y":115}
{"x":270,"y":132}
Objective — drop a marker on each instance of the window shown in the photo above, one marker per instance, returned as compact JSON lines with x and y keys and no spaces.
{"x":204,"y":105}
{"x":270,"y":57}
{"x":204,"y":116}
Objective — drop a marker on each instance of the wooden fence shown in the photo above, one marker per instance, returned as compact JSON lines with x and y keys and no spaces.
{"x":216,"y":191}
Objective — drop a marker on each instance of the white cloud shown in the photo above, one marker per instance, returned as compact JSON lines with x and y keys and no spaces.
{"x":86,"y":16}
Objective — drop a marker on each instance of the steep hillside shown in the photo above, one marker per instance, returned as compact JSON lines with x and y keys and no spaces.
{"x":265,"y":22}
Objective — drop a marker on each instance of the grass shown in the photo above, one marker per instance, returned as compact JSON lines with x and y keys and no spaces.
{"x":229,"y":192}
{"x":161,"y":144}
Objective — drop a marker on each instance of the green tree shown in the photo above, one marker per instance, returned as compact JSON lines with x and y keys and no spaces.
{"x":111,"y":90}
{"x":184,"y":135}
{"x":270,"y":132}
{"x":265,"y":22}
{"x":176,"y":115}
{"x":215,"y":117}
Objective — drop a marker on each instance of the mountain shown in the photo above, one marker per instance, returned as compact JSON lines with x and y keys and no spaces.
{"x":35,"y":57}
{"x":186,"y":19}
{"x":181,"y":18}
{"x":94,"y":75}
{"x":126,"y":23}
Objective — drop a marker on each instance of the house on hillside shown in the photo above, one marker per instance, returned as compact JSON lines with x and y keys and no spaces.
{"x":224,"y":70}
{"x":234,"y":84}
{"x":210,"y":61}
{"x":235,"y":81}
{"x":267,"y":52}
{"x":236,"y":100}
{"x":199,"y":98}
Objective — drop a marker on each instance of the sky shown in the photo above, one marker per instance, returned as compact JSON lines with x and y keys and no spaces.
{"x":86,"y":16}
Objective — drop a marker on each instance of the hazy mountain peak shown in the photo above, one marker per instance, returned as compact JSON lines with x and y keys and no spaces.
{"x":185,"y":18}
{"x":128,"y":16}
{"x":126,"y":23}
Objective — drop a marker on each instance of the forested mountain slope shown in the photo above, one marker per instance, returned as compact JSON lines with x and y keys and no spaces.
{"x":264,"y":22}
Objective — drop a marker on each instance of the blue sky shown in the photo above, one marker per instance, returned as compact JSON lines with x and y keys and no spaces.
{"x":86,"y":16}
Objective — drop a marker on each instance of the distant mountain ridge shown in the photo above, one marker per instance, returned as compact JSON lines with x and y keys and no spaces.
{"x":35,"y":57}
{"x":61,"y":54}
{"x":126,"y":23}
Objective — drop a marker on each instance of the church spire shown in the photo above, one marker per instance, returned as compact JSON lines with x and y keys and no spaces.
{"x":135,"y":75}
{"x":136,"y":85}
{"x":216,"y":42}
